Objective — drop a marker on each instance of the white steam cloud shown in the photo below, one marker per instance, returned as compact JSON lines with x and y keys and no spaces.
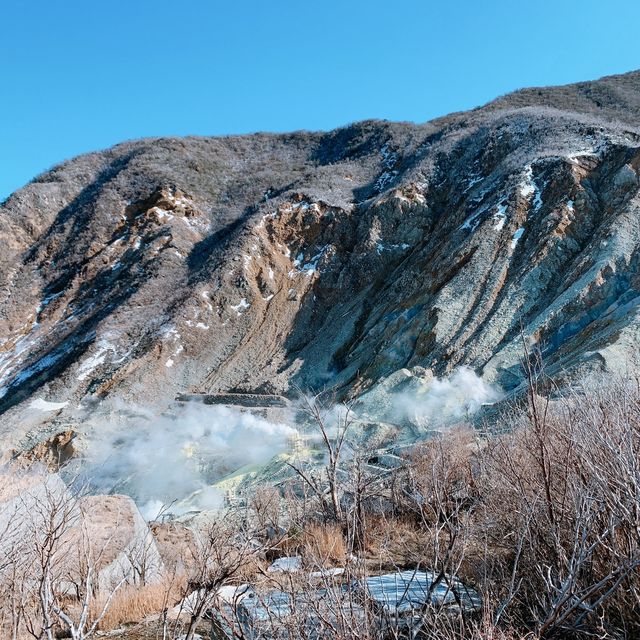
{"x":161,"y":459}
{"x":416,"y":398}
{"x":444,"y":400}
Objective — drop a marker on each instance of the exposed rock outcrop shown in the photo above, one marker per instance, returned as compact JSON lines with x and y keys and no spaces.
{"x":52,"y":452}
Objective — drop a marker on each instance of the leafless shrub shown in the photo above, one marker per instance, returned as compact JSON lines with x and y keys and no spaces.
{"x":560,"y":515}
{"x":221,"y":553}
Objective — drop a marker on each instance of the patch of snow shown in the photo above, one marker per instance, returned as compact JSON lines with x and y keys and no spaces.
{"x":310,"y":267}
{"x":338,"y":571}
{"x":389,"y":158}
{"x":171,"y":333}
{"x":500,"y":217}
{"x":576,"y":155}
{"x":40,"y":365}
{"x":44,"y":405}
{"x":243,"y":305}
{"x":285,"y":250}
{"x":271,"y":273}
{"x":195,"y":224}
{"x":98,"y":358}
{"x":264,"y":218}
{"x":385,"y":179}
{"x":162,"y":214}
{"x":472,"y":181}
{"x":380,"y":247}
{"x":407,"y":592}
{"x":419,"y":197}
{"x":267,"y":298}
{"x":537,"y":200}
{"x":232,"y":594}
{"x":46,"y":301}
{"x":288,"y":564}
{"x":169,"y":363}
{"x":528,"y":188}
{"x":202,"y":325}
{"x":205,"y":297}
{"x":472,"y":222}
{"x":516,"y":236}
{"x":182,"y":201}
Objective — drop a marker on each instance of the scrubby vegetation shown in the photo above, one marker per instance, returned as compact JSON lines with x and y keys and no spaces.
{"x":539,"y":513}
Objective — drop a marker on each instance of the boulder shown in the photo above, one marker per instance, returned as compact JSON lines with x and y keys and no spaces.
{"x":121,"y":541}
{"x":107,"y":532}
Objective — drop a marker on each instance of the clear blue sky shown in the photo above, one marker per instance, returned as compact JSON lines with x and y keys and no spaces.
{"x":80,"y":75}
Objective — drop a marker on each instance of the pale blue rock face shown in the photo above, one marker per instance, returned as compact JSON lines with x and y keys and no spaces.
{"x":407,"y":592}
{"x":397,"y":600}
{"x":267,"y":263}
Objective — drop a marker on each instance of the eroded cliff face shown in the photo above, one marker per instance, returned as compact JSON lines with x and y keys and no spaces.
{"x":259,"y":263}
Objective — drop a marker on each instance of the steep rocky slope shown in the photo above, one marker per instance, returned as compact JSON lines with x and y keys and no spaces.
{"x":256,"y":263}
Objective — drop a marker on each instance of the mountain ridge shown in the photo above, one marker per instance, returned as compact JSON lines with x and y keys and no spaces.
{"x":254,"y":263}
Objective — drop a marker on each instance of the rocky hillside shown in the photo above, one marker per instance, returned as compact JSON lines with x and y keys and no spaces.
{"x":259,"y":263}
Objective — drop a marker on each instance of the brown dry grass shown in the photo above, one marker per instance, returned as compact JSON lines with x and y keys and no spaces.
{"x":394,"y":541}
{"x":323,"y":545}
{"x":131,"y":605}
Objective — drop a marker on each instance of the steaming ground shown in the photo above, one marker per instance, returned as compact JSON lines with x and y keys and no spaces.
{"x":161,"y":459}
{"x":452,"y":398}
